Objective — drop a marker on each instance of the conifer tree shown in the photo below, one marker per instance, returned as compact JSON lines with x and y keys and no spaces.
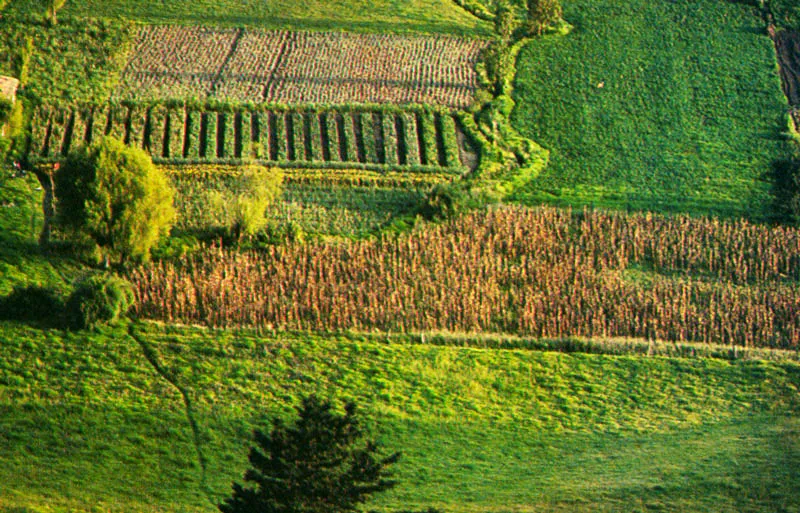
{"x":318,"y":465}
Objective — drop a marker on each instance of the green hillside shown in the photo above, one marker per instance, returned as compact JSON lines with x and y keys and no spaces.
{"x":89,"y":423}
{"x":655,"y":105}
{"x":366,"y":16}
{"x":662,"y":105}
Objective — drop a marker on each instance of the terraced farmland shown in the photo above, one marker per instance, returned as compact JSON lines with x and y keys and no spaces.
{"x":411,"y":139}
{"x":300,"y":67}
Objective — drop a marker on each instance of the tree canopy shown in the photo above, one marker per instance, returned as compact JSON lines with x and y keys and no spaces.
{"x":318,"y":465}
{"x":115,"y":196}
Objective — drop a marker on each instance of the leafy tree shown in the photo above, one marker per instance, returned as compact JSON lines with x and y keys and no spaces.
{"x":115,"y":196}
{"x":258,"y":189}
{"x":543,"y":14}
{"x":317,"y":465}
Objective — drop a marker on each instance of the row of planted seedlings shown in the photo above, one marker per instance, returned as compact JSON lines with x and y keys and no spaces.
{"x":380,"y":137}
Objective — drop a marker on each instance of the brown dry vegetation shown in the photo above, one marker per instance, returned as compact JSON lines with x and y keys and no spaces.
{"x":538,"y":272}
{"x":307,"y":67}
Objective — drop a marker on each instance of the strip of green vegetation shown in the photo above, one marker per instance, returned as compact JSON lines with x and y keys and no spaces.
{"x":78,"y":60}
{"x":375,"y":16}
{"x":343,"y":211}
{"x":87,"y":420}
{"x":657,"y":105}
{"x":22,"y":263}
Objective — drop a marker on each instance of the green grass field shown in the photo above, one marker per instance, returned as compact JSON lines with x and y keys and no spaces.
{"x":655,"y":105}
{"x":662,"y":105}
{"x":369,"y":16}
{"x":88,"y":423}
{"x":22,"y":263}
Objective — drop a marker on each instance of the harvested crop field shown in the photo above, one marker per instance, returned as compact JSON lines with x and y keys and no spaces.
{"x":300,"y":67}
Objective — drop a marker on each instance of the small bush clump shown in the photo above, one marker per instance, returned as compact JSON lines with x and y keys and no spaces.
{"x":99,"y":300}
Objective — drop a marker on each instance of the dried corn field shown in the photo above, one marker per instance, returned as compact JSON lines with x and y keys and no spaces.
{"x":538,"y":272}
{"x":300,"y":67}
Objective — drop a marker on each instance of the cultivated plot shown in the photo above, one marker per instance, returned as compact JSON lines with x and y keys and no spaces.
{"x":300,"y":67}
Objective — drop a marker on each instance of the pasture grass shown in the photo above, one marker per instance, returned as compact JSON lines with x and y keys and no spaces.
{"x":433,"y":16}
{"x":76,"y":61}
{"x":22,"y":262}
{"x":87,"y":422}
{"x":671,"y":106}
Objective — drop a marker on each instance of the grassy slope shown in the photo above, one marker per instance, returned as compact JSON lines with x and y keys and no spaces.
{"x":361,"y":15}
{"x":654,"y":105}
{"x":86,"y":421}
{"x":78,"y":60}
{"x":21,"y":261}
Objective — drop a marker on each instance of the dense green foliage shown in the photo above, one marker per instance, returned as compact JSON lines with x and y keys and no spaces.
{"x":319,"y":464}
{"x":536,"y":431}
{"x":115,"y":196}
{"x":375,"y":16}
{"x":640,"y":111}
{"x":350,"y":203}
{"x":98,"y":300}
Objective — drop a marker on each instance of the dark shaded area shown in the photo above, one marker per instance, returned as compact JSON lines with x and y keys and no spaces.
{"x":361,"y":151}
{"x":203,"y":135}
{"x":272,"y":136}
{"x":786,"y":191}
{"x":380,"y":139}
{"x":402,"y":144}
{"x":787,"y":46}
{"x":309,"y":151}
{"x":291,"y":151}
{"x":423,"y":150}
{"x":34,"y":304}
{"x":342,"y":137}
{"x":325,"y":140}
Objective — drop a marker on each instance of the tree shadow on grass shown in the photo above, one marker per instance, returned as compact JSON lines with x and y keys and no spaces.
{"x":41,"y":307}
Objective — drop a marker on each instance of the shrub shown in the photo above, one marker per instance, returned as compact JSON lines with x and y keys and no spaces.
{"x":543,"y":14}
{"x":98,"y":300}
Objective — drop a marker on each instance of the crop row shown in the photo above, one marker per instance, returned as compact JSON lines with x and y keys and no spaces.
{"x":536,"y":272}
{"x":410,"y":140}
{"x":300,"y":67}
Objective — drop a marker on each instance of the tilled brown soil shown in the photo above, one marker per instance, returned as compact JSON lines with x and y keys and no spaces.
{"x":787,"y":44}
